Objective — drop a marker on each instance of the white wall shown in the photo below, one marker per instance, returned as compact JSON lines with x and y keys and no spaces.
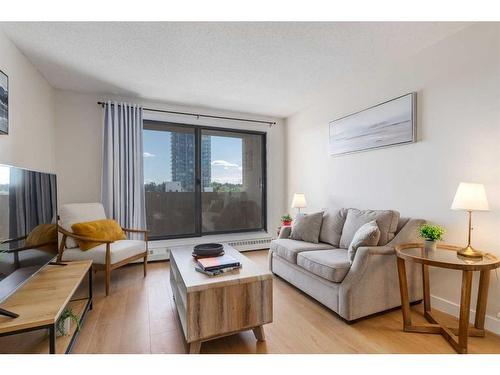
{"x":31,"y":139}
{"x":79,"y":137}
{"x":458,"y":85}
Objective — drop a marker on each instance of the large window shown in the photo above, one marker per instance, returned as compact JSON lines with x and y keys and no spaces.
{"x":203,"y":180}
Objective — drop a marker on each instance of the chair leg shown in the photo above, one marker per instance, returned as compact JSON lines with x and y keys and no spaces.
{"x":108,"y":268}
{"x":146,"y":256}
{"x":108,"y":280}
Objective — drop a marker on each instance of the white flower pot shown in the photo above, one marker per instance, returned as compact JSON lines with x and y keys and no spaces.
{"x":66,"y":327}
{"x":430,"y":245}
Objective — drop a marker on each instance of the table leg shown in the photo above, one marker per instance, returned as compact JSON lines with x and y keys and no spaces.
{"x":426,"y":288}
{"x":403,"y":288}
{"x":463,"y":325}
{"x":90,"y":289}
{"x":482,"y":298}
{"x":52,"y":339}
{"x":195,"y":347}
{"x":259,"y":333}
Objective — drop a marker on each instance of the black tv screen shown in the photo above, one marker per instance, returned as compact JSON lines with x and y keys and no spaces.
{"x":28,"y":230}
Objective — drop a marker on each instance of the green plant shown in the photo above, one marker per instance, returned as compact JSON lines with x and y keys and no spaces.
{"x":431,"y":232}
{"x":286,"y":217}
{"x":67,"y":313}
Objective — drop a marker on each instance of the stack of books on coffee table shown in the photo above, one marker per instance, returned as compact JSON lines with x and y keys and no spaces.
{"x":213,"y":266}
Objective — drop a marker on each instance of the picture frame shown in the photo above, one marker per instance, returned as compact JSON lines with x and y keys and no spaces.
{"x":387,"y":124}
{"x":4,"y":103}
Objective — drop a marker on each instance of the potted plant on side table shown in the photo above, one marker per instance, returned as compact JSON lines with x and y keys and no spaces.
{"x":431,"y":234}
{"x":286,"y":220}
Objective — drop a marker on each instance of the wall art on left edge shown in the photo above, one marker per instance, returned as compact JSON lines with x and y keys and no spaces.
{"x":386,"y":124}
{"x":4,"y":103}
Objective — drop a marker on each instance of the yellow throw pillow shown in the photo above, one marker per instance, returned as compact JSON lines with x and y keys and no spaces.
{"x":43,"y":237}
{"x":106,"y":229}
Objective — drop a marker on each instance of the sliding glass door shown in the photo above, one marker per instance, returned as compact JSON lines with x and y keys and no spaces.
{"x":203,"y":180}
{"x":232,"y":182}
{"x":170,"y":179}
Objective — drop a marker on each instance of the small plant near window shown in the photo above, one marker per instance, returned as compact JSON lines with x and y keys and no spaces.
{"x":63,"y":324}
{"x":431,"y":233}
{"x":286,"y":220}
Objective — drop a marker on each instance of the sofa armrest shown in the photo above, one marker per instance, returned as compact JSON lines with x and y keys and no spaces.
{"x":364,"y":255}
{"x":377,"y":250}
{"x":285,"y":232}
{"x":372,"y":283}
{"x":407,"y":234}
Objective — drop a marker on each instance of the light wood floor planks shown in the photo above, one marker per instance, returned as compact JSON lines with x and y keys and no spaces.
{"x":139,"y":317}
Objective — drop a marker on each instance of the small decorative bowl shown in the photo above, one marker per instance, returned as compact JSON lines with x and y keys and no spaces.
{"x":208,"y":250}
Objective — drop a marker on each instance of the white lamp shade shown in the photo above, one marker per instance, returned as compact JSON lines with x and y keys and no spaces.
{"x":470,"y":197}
{"x":299,"y":201}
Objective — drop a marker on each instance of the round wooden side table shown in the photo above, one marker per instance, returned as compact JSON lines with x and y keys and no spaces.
{"x":445,"y":256}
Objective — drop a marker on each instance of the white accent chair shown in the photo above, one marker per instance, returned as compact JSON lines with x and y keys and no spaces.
{"x":108,"y":256}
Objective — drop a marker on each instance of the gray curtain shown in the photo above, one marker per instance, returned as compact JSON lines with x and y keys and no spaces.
{"x":122,"y":189}
{"x":32,"y":200}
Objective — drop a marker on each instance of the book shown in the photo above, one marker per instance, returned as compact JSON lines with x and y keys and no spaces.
{"x":217,"y":272}
{"x":217,"y":263}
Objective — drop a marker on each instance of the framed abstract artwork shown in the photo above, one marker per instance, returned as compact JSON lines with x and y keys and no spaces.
{"x":4,"y":103}
{"x":386,"y":124}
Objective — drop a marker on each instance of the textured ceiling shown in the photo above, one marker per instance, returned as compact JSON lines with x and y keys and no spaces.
{"x":268,"y":68}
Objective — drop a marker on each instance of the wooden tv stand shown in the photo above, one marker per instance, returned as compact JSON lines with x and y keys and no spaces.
{"x":39,"y":303}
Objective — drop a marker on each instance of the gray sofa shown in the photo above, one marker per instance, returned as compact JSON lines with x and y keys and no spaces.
{"x":353,"y":289}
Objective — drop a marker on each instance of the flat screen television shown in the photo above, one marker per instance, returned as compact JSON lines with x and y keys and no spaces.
{"x":28,"y":229}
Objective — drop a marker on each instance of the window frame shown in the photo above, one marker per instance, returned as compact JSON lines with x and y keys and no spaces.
{"x":198,"y":193}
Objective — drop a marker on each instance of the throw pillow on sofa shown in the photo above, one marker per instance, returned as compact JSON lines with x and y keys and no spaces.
{"x":307,"y":227}
{"x":331,"y":227}
{"x":367,"y":235}
{"x":387,"y":221}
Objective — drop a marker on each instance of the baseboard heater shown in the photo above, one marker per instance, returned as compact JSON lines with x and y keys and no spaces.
{"x":162,"y":253}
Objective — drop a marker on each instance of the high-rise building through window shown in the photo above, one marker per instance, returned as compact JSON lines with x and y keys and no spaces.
{"x":182,"y":148}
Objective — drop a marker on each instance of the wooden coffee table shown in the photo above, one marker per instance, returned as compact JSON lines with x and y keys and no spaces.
{"x":212,"y":307}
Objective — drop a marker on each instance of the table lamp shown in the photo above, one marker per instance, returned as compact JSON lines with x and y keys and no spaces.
{"x":299,"y":201}
{"x":470,"y":197}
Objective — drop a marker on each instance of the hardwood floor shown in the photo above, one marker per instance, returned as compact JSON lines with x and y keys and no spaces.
{"x":139,"y":317}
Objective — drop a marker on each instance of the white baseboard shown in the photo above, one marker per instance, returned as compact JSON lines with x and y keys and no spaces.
{"x":491,"y":323}
{"x":162,"y":252}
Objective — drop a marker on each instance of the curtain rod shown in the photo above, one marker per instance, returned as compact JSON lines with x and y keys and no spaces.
{"x":198,"y":115}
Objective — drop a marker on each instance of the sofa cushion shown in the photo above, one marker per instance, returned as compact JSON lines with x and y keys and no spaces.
{"x":288,"y":249}
{"x":331,"y":228}
{"x":387,"y":221}
{"x":307,"y":227}
{"x":367,"y":235}
{"x":120,"y":250}
{"x":332,"y":265}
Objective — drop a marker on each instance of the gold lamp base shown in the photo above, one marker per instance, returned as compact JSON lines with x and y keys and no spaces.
{"x":469,"y":252}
